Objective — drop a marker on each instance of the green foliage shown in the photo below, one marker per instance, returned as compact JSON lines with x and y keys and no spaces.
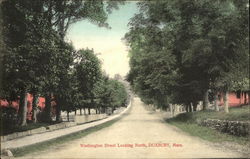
{"x":8,"y":115}
{"x":88,"y":69}
{"x":88,"y":73}
{"x":117,"y":93}
{"x":61,"y":14}
{"x":37,"y":60}
{"x":35,"y":57}
{"x":180,"y":49}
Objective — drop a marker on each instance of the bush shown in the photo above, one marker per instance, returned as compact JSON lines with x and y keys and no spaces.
{"x":43,"y":117}
{"x":9,"y":118}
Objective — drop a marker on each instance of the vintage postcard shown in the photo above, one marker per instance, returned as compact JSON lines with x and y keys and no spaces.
{"x":124,"y":79}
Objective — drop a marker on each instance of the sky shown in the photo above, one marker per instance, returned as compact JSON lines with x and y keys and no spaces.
{"x":107,"y":43}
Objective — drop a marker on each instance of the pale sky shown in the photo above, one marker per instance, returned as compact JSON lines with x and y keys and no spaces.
{"x":106,"y":42}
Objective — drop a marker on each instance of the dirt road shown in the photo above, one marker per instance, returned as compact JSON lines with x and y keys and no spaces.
{"x":140,"y":134}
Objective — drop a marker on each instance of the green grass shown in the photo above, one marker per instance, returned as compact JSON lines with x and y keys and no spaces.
{"x":210,"y":134}
{"x":237,"y":113}
{"x":18,"y":152}
{"x":187,"y":122}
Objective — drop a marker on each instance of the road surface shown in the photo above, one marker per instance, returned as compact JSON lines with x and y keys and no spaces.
{"x":140,"y":134}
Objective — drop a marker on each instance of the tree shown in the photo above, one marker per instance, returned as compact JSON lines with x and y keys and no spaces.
{"x":16,"y":76}
{"x":202,"y":43}
{"x":67,"y":84}
{"x":61,"y":14}
{"x":105,"y":94}
{"x":36,"y":54}
{"x":35,"y":57}
{"x":88,"y":72}
{"x":152,"y":65}
{"x":2,"y":48}
{"x":115,"y":94}
{"x":67,"y":98}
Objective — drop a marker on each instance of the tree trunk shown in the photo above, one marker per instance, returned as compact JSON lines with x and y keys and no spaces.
{"x":226,"y":102}
{"x":205,"y":100}
{"x":80,"y":111}
{"x":171,"y":110}
{"x":248,"y":99}
{"x":245,"y":97}
{"x":58,"y":110}
{"x":189,"y":107}
{"x":75,"y":111}
{"x":47,"y":108}
{"x":34,"y":107}
{"x":186,"y":107}
{"x":101,"y":110}
{"x":89,"y":110}
{"x":240,"y":97}
{"x":68,"y":115}
{"x":216,"y":106}
{"x":61,"y":26}
{"x":58,"y":113}
{"x":84,"y":109}
{"x":23,"y":108}
{"x":113,"y":109}
{"x":195,"y":106}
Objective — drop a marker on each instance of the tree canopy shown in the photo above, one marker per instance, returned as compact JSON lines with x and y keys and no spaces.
{"x":181,"y":49}
{"x":39,"y":61}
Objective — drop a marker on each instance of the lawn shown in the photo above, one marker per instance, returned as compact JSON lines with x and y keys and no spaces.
{"x":188,"y":123}
{"x":235,"y":113}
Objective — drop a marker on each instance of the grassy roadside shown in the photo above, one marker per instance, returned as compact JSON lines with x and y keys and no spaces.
{"x":18,"y":152}
{"x":187,"y":122}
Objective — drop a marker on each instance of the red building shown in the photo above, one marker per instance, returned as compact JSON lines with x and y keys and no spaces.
{"x":235,"y":99}
{"x":15,"y":104}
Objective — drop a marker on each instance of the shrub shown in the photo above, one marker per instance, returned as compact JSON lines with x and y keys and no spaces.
{"x":9,"y":118}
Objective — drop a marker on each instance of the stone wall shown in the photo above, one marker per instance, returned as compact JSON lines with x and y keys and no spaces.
{"x":80,"y":119}
{"x":237,"y":128}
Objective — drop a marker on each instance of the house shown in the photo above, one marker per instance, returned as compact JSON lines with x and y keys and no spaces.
{"x":15,"y":104}
{"x":235,"y":99}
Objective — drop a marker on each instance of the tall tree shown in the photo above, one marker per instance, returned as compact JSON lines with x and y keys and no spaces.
{"x":35,"y":57}
{"x":201,"y":40}
{"x":35,"y":50}
{"x":88,"y":72}
{"x":17,"y":77}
